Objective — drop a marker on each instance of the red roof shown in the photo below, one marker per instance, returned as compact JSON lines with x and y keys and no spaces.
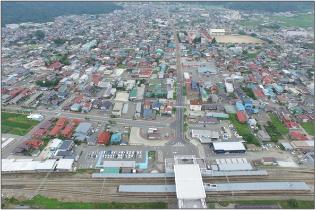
{"x":34,"y":143}
{"x":77,"y":99}
{"x":96,"y":78}
{"x":55,"y":65}
{"x":104,"y":137}
{"x":291,"y":124}
{"x":55,"y":130}
{"x":298,"y":135}
{"x":241,"y":116}
{"x":258,"y":92}
{"x":67,"y":132}
{"x":267,"y":80}
{"x":61,"y":121}
{"x":76,"y":121}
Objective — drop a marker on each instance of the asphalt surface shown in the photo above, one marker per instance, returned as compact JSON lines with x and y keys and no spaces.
{"x":180,"y":101}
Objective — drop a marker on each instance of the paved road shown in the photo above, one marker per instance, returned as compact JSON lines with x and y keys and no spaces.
{"x":180,"y":100}
{"x":100,"y":118}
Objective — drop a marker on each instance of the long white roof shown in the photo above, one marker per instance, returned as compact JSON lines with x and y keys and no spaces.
{"x":229,"y":146}
{"x":189,"y":184}
{"x":27,"y":165}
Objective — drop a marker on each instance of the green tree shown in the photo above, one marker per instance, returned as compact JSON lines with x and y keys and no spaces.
{"x":214,"y":41}
{"x":39,"y":34}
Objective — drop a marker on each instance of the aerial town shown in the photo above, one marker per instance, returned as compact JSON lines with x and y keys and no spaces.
{"x":160,"y":104}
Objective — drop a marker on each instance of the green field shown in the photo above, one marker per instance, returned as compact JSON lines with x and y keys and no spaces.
{"x":243,"y":130}
{"x":300,"y":20}
{"x":278,"y":124}
{"x":273,"y":132}
{"x":17,"y":124}
{"x":309,"y":127}
{"x":50,"y":203}
{"x":285,"y":204}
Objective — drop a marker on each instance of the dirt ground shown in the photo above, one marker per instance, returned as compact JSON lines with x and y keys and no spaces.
{"x":238,"y":39}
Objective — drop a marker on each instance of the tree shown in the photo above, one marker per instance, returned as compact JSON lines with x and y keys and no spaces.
{"x":214,"y":41}
{"x":39,"y":35}
{"x":59,"y":41}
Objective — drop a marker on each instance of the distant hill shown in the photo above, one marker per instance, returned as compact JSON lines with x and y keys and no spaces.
{"x":39,"y":12}
{"x":271,"y":6}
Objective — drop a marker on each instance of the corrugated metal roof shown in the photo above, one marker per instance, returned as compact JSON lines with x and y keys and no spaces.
{"x":259,"y":186}
{"x":147,"y":188}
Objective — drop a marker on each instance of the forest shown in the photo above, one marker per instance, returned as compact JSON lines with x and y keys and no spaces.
{"x":39,"y":12}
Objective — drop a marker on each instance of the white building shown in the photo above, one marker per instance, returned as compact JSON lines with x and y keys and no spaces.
{"x":189,"y":186}
{"x":36,"y":117}
{"x":217,"y":32}
{"x":205,"y":136}
{"x":117,"y":109}
{"x":229,"y":87}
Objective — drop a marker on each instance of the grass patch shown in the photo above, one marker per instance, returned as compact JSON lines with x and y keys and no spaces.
{"x":273,"y":132}
{"x":278,"y":124}
{"x":300,"y":20}
{"x":309,"y":127}
{"x":285,"y":204}
{"x":184,"y":91}
{"x":40,"y":201}
{"x":87,"y":170}
{"x":249,"y":93}
{"x":17,"y":124}
{"x":244,"y":131}
{"x":152,"y":155}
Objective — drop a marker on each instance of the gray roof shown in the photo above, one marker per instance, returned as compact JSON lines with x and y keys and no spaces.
{"x":147,"y":188}
{"x":221,"y":187}
{"x":66,"y":145}
{"x":83,"y":128}
{"x":259,"y":186}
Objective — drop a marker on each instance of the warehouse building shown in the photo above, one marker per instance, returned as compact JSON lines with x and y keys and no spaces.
{"x":27,"y":165}
{"x":82,"y":131}
{"x":64,"y":165}
{"x":228,"y":147}
{"x":205,"y":136}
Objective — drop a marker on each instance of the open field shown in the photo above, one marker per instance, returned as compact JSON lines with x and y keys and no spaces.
{"x":17,"y":124}
{"x":278,"y":124}
{"x":286,"y":204}
{"x":300,"y":20}
{"x":238,"y":39}
{"x":309,"y":127}
{"x":243,"y":130}
{"x":40,"y":201}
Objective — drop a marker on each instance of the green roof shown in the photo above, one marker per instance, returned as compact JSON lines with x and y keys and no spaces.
{"x":112,"y":170}
{"x":133,"y":92}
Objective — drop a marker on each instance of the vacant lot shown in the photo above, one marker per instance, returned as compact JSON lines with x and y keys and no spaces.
{"x":238,"y":39}
{"x":278,"y":124}
{"x":309,"y":127}
{"x":17,"y":124}
{"x":50,"y":203}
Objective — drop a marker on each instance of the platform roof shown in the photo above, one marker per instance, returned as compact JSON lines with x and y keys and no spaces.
{"x":189,"y":184}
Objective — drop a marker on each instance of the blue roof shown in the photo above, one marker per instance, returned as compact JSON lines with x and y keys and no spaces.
{"x":116,"y":137}
{"x":239,"y":106}
{"x":147,"y":113}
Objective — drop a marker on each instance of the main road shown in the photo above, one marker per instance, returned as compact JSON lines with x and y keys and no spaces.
{"x":180,"y":100}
